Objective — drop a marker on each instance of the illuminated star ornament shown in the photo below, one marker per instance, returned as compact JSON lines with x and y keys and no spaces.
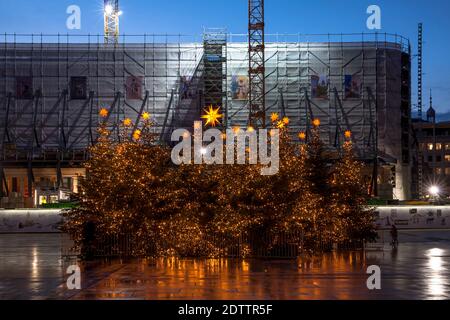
{"x":302,"y":135}
{"x":348,"y":134}
{"x":146,"y":116}
{"x":316,"y":122}
{"x":127,"y":122}
{"x":212,"y":116}
{"x":274,"y":117}
{"x":103,"y":112}
{"x":137,"y":134}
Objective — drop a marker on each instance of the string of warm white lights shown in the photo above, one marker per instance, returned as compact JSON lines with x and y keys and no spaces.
{"x":132,"y":188}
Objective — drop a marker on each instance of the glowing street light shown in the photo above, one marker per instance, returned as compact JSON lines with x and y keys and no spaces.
{"x":434,"y":191}
{"x":108,"y":9}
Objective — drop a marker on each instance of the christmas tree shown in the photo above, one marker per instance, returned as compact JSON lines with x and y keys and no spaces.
{"x":133,"y":192}
{"x":353,"y":219}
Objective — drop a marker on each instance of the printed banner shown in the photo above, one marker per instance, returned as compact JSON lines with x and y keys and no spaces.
{"x":78,"y":88}
{"x":352,"y":86}
{"x":134,"y":87}
{"x":319,"y":86}
{"x":239,"y":87}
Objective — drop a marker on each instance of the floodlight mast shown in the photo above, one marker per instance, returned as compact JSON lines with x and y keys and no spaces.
{"x":111,"y":14}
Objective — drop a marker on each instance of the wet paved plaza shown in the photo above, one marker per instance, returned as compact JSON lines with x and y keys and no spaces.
{"x":31,"y":268}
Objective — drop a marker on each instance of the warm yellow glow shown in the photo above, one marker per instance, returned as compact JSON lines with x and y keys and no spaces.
{"x":137,"y":134}
{"x":280,"y":124}
{"x":250,"y":129}
{"x":103,"y":112}
{"x":302,"y":135}
{"x":286,"y":120}
{"x":212,"y":116}
{"x":236,"y":129}
{"x":316,"y":122}
{"x":127,"y":122}
{"x":348,"y":134}
{"x":274,"y":117}
{"x":146,"y":116}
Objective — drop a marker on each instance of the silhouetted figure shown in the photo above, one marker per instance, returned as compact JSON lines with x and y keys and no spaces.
{"x":394,"y":236}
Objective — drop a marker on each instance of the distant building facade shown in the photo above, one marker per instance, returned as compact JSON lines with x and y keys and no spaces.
{"x":433,"y":139}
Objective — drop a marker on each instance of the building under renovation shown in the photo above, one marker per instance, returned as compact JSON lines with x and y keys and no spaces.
{"x":53,"y":87}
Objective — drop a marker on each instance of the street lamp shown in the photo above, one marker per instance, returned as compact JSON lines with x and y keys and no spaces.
{"x":434,"y":191}
{"x":108,"y":9}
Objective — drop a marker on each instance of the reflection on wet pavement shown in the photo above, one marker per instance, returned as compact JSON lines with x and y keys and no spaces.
{"x":31,"y":268}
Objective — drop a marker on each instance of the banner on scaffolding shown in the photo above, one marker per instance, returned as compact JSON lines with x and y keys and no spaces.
{"x":352,"y":86}
{"x":319,"y":86}
{"x":134,"y":87}
{"x":239,"y":87}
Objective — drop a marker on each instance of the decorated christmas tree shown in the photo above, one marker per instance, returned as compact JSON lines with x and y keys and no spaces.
{"x":134,"y":193}
{"x":353,"y":220}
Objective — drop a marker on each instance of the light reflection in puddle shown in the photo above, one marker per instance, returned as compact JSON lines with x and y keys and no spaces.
{"x":435,"y":280}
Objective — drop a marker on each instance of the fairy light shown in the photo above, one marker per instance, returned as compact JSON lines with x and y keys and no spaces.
{"x":133,"y":188}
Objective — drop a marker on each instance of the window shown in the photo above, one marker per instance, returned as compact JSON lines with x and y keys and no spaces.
{"x":438,"y":158}
{"x":24,"y":88}
{"x":67,"y":183}
{"x":438,"y":146}
{"x":447,"y":146}
{"x":438,"y":171}
{"x":430,"y":158}
{"x":447,"y":158}
{"x":430,"y":147}
{"x":78,"y":88}
{"x":447,"y":171}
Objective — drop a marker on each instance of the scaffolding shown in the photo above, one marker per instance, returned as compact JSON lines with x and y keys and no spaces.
{"x":111,"y":15}
{"x":53,"y":86}
{"x":215,"y":69}
{"x":256,"y":64}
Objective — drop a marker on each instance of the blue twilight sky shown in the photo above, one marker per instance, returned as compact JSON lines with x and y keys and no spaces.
{"x":282,"y":16}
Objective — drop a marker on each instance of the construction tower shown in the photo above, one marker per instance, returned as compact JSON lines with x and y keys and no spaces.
{"x":256,"y":60}
{"x":111,"y":25}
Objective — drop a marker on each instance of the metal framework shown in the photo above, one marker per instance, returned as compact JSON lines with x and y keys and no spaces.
{"x":215,"y":69}
{"x":256,"y":63}
{"x":419,"y":108}
{"x":420,"y":71}
{"x":111,"y":23}
{"x":53,"y":121}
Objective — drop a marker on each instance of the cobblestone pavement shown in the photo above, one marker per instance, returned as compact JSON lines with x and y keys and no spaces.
{"x":31,"y":268}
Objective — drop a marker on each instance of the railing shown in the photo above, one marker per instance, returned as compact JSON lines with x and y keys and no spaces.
{"x":258,"y":245}
{"x":382,"y":39}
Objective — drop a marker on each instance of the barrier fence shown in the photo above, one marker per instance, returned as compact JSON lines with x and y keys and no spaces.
{"x":257,"y":245}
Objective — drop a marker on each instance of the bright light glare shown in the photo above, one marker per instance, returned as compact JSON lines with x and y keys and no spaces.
{"x":436,"y":252}
{"x":203,"y":150}
{"x":108,"y":9}
{"x":120,"y":13}
{"x":434,"y":190}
